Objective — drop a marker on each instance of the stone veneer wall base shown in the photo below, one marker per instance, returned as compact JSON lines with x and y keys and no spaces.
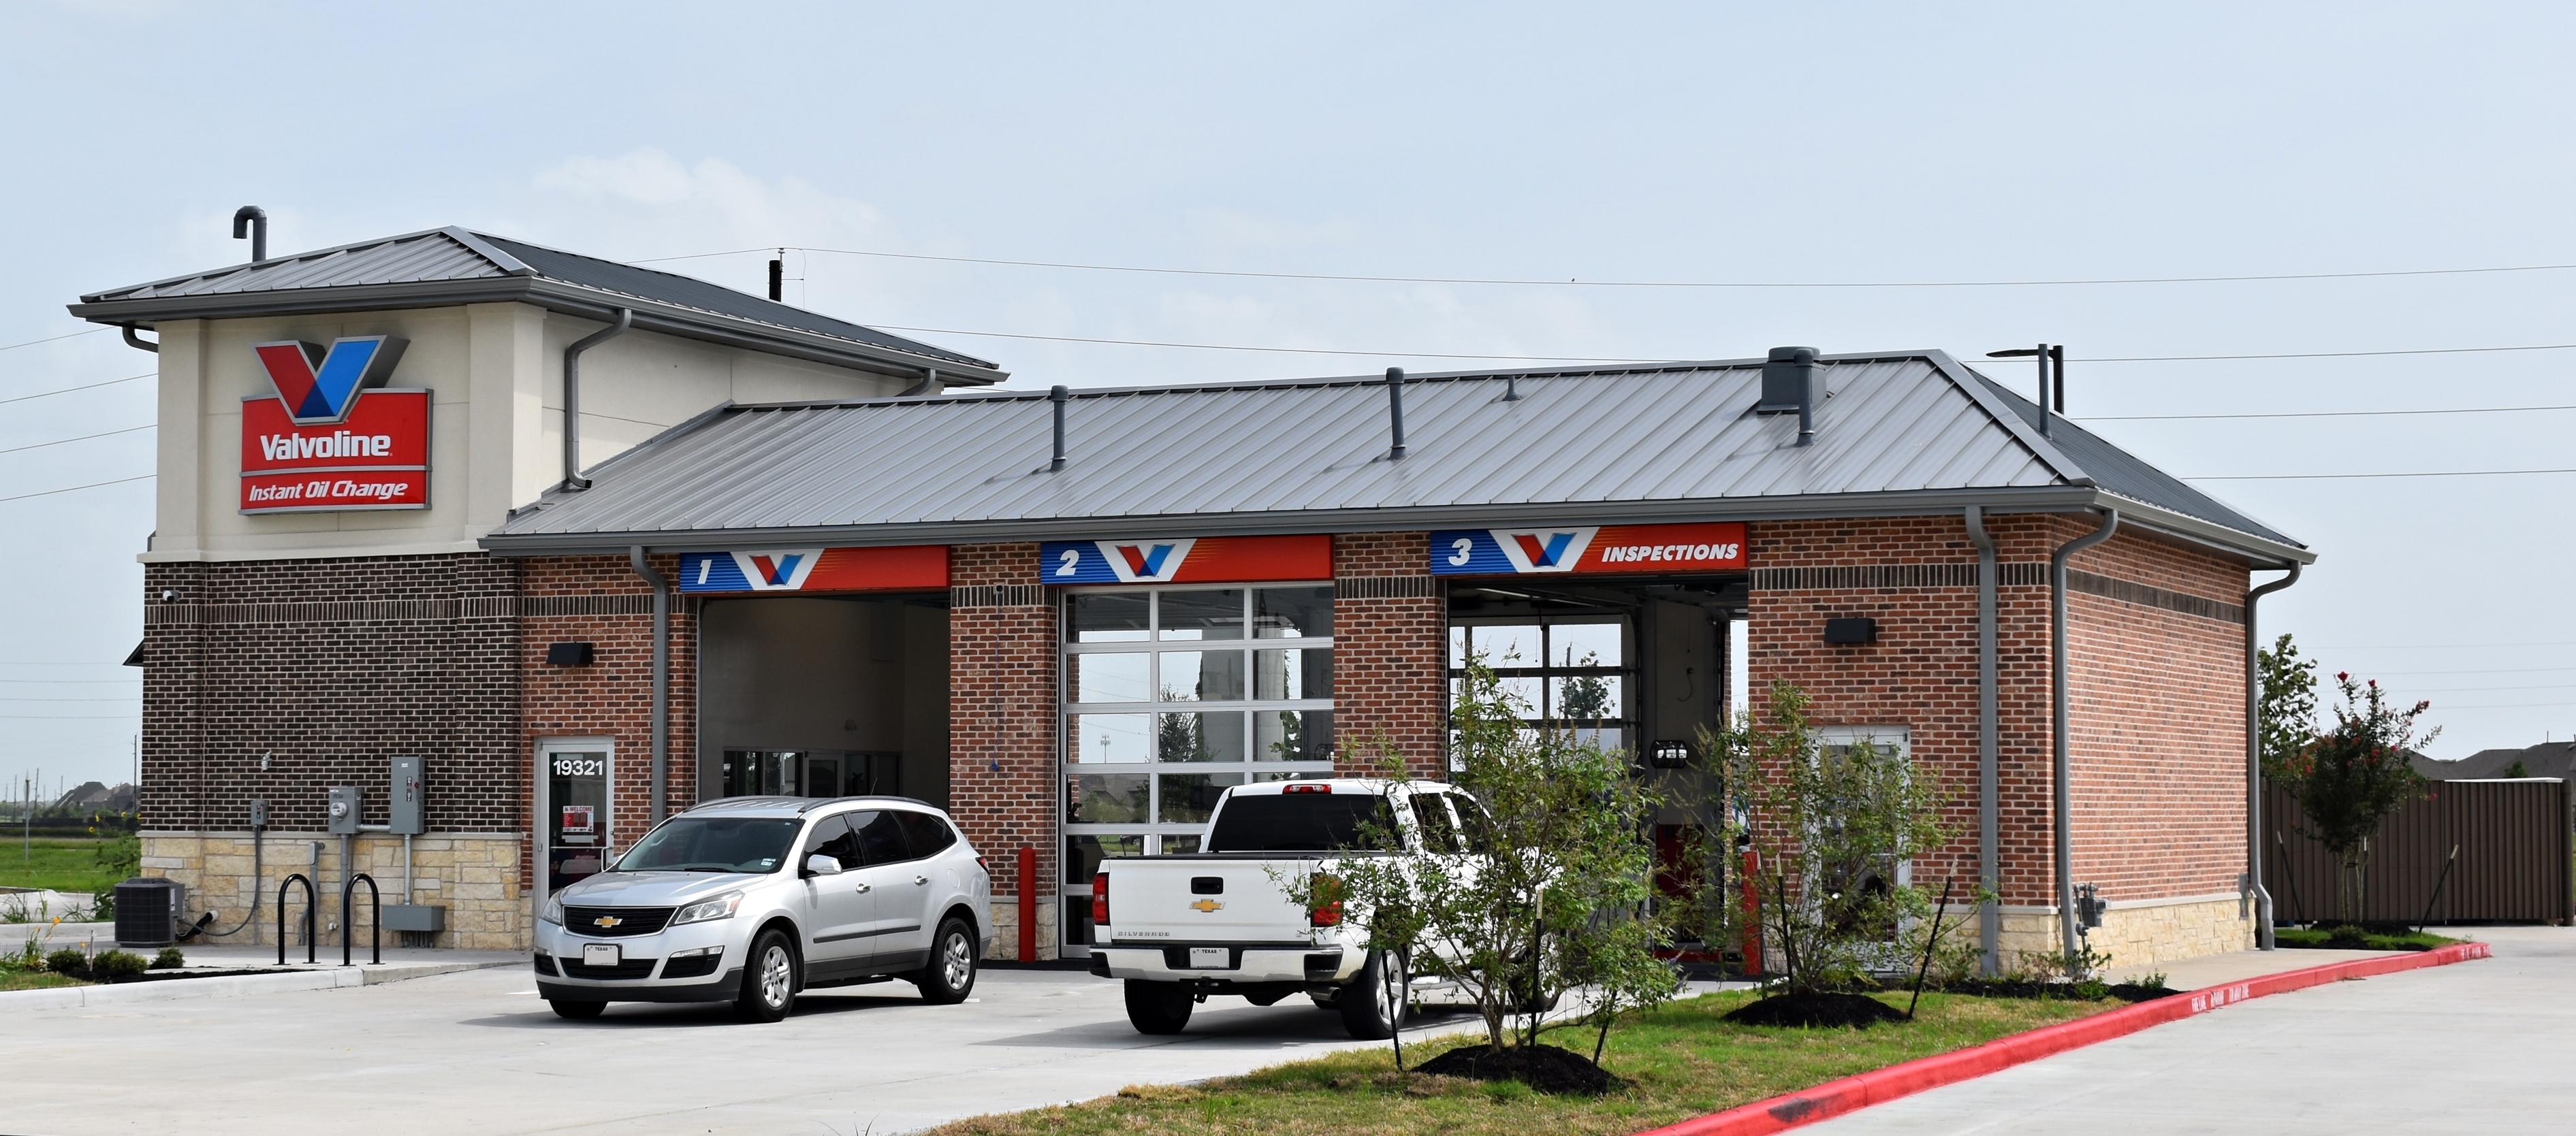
{"x":474,"y":875}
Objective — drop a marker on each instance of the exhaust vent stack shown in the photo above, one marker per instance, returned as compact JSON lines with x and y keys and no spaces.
{"x":1058,"y":396}
{"x":1395,"y":409}
{"x":252,"y":221}
{"x":1789,"y":380}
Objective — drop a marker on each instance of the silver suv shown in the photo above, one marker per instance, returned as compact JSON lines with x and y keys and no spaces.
{"x":751,"y":899}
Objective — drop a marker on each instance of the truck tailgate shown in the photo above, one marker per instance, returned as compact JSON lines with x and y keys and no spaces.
{"x":1212,"y":898}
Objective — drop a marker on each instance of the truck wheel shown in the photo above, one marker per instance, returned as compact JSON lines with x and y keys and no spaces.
{"x":576,"y":1011}
{"x":1374,"y":1003}
{"x":950,"y":976}
{"x":1158,"y":1007}
{"x":769,"y":983}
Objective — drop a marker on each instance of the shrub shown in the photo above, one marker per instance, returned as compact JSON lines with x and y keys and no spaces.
{"x":169,"y":959}
{"x":111,"y":966}
{"x":2349,"y":778}
{"x":68,"y":962}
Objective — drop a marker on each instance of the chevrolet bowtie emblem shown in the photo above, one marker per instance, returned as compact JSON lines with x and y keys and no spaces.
{"x":606,"y":921}
{"x":1206,"y":906}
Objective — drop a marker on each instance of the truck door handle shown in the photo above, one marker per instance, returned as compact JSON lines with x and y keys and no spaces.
{"x":921,"y":879}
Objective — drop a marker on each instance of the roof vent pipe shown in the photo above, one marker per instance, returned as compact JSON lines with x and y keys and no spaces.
{"x":1395,"y":409}
{"x":1789,"y":383}
{"x":1059,"y":396}
{"x":255,"y":220}
{"x":777,"y":280}
{"x":572,"y":478}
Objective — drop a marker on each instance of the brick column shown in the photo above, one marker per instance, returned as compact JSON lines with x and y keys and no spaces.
{"x":1002,"y":715}
{"x":1390,"y":670}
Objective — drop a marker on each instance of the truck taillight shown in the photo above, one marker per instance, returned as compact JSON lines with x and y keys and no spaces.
{"x":1293,"y":787}
{"x":1100,"y":900}
{"x":1325,"y":915}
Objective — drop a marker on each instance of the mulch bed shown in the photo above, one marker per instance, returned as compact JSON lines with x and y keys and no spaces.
{"x":1856,"y":1011}
{"x":1543,"y":1067}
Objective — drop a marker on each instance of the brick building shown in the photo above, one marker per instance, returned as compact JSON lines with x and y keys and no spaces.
{"x":791,"y":559}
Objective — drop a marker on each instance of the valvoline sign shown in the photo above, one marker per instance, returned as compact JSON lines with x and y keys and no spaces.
{"x":1186,"y":560}
{"x":906,"y":568}
{"x":333,"y":437}
{"x":1588,"y":549}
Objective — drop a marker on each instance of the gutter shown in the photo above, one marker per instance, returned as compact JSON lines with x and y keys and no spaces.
{"x":2254,"y":888}
{"x":1990,"y":919}
{"x":661,"y":680}
{"x":2063,"y":822}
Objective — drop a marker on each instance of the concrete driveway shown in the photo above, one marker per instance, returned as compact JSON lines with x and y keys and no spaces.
{"x":477,"y":1052}
{"x":2477,"y":1047}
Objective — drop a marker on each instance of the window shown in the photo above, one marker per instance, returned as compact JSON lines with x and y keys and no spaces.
{"x":880,"y":838}
{"x":1304,"y":822}
{"x":928,"y":835}
{"x":1431,"y":815}
{"x":1175,"y":694}
{"x":1571,"y":673}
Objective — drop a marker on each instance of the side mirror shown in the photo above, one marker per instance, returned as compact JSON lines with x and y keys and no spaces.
{"x":819,"y":864}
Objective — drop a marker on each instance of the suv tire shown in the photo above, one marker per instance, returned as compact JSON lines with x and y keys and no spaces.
{"x":950,"y":974}
{"x":1373,"y":1004}
{"x":768,"y":979}
{"x":571,"y":1010}
{"x":1158,"y":1007}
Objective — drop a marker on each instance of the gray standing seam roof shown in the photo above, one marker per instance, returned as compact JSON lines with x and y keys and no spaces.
{"x":1902,"y":433}
{"x":453,"y":265}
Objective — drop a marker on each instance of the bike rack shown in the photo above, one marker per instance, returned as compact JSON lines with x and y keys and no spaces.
{"x":309,"y":904}
{"x":376,"y":924}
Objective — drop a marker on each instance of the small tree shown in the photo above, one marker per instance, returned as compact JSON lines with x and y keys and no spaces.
{"x":1554,"y":892}
{"x":2288,"y":706}
{"x":1829,"y":824}
{"x":2349,"y":778}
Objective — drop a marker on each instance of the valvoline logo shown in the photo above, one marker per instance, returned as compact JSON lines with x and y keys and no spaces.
{"x":1544,"y":550}
{"x":318,"y":385}
{"x":781,"y":571}
{"x":1186,"y":560}
{"x":1147,"y":561}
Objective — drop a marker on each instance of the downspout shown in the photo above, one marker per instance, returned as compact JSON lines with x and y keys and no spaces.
{"x":137,"y":342}
{"x":2059,"y":766}
{"x":661,"y":679}
{"x":2254,"y":764}
{"x":929,"y":384}
{"x":572,"y":478}
{"x":1990,"y":918}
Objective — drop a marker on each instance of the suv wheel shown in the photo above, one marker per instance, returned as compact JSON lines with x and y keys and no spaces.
{"x":1158,"y":1007}
{"x":950,"y":975}
{"x":576,"y":1011}
{"x":1374,"y":1003}
{"x":769,"y":982}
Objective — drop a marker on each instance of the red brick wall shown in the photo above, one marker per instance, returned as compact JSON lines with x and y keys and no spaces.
{"x":1002,"y":715}
{"x":2157,"y":695}
{"x":328,"y":668}
{"x":600,"y":600}
{"x":1390,"y":646}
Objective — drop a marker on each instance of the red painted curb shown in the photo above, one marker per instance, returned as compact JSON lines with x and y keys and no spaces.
{"x":1878,"y":1086}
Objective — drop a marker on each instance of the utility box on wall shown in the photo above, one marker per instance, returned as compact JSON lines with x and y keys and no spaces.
{"x":343,"y":813}
{"x":404,"y":811}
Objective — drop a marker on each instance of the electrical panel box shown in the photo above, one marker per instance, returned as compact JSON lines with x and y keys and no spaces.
{"x":343,"y":812}
{"x":403,"y":811}
{"x":259,"y":814}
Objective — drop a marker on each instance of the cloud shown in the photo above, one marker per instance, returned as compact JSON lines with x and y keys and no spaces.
{"x":648,"y":193}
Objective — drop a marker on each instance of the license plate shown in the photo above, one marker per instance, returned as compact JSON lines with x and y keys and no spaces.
{"x":601,"y":954}
{"x":1208,"y":958}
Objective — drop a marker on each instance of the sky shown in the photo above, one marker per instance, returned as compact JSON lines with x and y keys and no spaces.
{"x":1888,"y":144}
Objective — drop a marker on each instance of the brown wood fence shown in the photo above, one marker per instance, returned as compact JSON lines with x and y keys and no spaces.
{"x":2514,"y":847}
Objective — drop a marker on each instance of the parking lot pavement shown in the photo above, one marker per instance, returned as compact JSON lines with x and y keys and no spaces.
{"x":477,"y":1052}
{"x":2472,"y":1047}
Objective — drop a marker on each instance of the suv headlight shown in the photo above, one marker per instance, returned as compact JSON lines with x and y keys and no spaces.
{"x":554,"y":910}
{"x":720,"y":907}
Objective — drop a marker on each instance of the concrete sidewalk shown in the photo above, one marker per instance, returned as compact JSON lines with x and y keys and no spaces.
{"x":2473,"y":1047}
{"x":2237,"y":966}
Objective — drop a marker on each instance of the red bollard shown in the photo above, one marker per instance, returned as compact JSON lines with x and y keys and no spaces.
{"x":1749,"y":882}
{"x":1028,"y":905}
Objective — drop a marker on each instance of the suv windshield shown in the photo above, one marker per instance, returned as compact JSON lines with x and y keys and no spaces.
{"x":714,"y":844}
{"x":1303,"y":822}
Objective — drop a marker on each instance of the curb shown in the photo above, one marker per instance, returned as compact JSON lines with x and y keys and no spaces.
{"x":234,"y":986}
{"x":1878,"y":1086}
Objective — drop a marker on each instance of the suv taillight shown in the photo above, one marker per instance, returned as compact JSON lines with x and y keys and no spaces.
{"x":1100,"y":900}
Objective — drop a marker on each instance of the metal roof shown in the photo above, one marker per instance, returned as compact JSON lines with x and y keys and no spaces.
{"x":1895,"y":434}
{"x":445,"y":267}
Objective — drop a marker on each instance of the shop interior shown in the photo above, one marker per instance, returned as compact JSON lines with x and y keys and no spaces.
{"x":811,"y":696}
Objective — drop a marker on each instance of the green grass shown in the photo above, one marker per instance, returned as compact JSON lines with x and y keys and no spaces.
{"x":67,"y":864}
{"x":1679,"y":1061}
{"x":2320,"y":938}
{"x":34,"y":980}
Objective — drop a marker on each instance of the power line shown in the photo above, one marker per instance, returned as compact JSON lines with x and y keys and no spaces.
{"x":78,"y":488}
{"x":2351,"y":476}
{"x":2510,"y":706}
{"x":49,"y":339}
{"x":82,"y":438}
{"x":2321,"y":354}
{"x":130,"y":699}
{"x":67,"y":717}
{"x":74,"y":681}
{"x":1577,"y":282}
{"x":2428,"y":647}
{"x":2314,"y":414}
{"x":1282,"y":350}
{"x":68,"y":390}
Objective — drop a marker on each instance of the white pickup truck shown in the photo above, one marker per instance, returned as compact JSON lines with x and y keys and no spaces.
{"x":1233,"y":920}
